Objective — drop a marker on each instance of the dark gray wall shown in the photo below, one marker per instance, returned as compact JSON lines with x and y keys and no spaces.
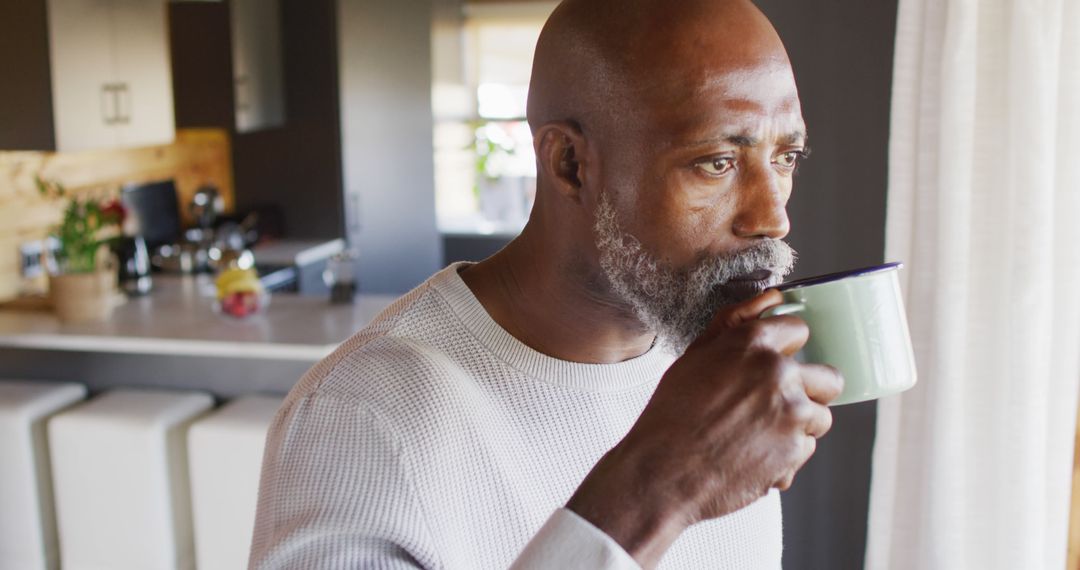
{"x":461,"y":247}
{"x":199,"y":46}
{"x":26,"y":120}
{"x":385,"y":73}
{"x":842,"y":53}
{"x":296,"y":167}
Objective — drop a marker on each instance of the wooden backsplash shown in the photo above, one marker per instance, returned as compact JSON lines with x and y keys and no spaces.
{"x":198,"y":157}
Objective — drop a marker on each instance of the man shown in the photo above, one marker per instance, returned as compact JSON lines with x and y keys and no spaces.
{"x":601,"y":393}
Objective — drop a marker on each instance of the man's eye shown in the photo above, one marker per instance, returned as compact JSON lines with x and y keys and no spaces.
{"x":791,"y":159}
{"x":717,"y":166}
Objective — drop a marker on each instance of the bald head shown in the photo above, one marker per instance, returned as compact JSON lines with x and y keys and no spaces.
{"x":679,"y":123}
{"x":667,"y":135}
{"x":599,"y":61}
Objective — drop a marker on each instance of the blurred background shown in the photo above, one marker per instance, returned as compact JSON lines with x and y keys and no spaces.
{"x":387,"y":137}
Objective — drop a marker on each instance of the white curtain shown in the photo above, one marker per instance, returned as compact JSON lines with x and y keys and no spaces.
{"x":972,"y":468}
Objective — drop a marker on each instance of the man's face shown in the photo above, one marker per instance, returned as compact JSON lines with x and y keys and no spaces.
{"x":695,"y":188}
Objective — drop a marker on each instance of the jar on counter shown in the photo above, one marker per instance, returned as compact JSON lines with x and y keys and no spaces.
{"x":340,"y":277}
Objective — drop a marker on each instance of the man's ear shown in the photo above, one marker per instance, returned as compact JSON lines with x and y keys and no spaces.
{"x":560,"y":157}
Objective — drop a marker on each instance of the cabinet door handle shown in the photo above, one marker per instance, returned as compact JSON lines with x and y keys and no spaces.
{"x":110,"y":103}
{"x":106,"y":101}
{"x":115,"y":90}
{"x":124,"y":103}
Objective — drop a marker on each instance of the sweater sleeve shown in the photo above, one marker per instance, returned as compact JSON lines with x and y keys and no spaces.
{"x":569,"y":542}
{"x":333,"y":494}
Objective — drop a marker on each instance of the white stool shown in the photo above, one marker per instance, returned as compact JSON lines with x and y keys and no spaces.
{"x":27,"y":517}
{"x":121,"y":480}
{"x":226,"y":449}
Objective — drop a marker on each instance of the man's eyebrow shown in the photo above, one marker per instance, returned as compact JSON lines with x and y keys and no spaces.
{"x":742,"y":140}
{"x":795,"y":137}
{"x":749,"y":140}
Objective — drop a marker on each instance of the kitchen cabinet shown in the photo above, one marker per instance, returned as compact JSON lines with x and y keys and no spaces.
{"x":111,"y":79}
{"x":84,"y":75}
{"x":257,"y":67}
{"x":141,"y":56}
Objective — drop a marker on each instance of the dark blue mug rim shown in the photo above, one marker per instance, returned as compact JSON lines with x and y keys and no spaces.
{"x":830,"y":277}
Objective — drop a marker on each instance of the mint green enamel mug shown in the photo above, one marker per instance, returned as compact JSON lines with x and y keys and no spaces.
{"x":858,"y":325}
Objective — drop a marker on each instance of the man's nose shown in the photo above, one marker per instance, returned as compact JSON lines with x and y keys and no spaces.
{"x":762,"y":207}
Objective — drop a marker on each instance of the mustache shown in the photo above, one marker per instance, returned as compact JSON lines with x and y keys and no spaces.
{"x":678,"y":302}
{"x":769,"y":254}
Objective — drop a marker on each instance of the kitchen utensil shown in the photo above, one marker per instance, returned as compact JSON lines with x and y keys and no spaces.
{"x":134,"y":265}
{"x":154,"y":209}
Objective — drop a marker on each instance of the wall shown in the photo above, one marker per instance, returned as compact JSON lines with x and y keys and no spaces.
{"x":842,"y":54}
{"x":26,"y":120}
{"x":197,"y":157}
{"x":199,"y":47}
{"x":385,"y":94}
{"x":296,"y":167}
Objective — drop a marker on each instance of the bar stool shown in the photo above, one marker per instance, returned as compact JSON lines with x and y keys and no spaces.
{"x":27,"y":517}
{"x":121,"y":479}
{"x":225,"y":449}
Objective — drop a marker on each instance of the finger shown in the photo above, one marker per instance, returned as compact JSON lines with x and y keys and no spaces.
{"x":786,"y":334}
{"x":806,"y":451}
{"x":822,"y":383}
{"x":734,"y":315}
{"x":819,"y":422}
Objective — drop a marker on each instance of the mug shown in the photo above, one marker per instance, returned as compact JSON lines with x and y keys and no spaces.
{"x":857,"y":325}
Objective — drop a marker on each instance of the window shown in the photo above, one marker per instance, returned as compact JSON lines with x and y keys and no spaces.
{"x":485,"y":168}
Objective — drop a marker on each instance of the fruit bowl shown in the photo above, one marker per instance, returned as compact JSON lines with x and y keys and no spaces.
{"x":240,"y":294}
{"x":241,"y":305}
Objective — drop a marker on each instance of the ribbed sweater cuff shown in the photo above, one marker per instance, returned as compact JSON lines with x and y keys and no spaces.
{"x":569,"y":542}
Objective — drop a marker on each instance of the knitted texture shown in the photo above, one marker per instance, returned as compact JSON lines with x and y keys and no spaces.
{"x":434,"y":439}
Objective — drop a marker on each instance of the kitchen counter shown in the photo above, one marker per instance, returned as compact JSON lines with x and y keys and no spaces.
{"x":177,"y":318}
{"x":172,"y":338}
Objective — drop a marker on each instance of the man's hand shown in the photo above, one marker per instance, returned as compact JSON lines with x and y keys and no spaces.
{"x":734,"y":417}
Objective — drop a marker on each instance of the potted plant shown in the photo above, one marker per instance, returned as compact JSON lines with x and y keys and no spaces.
{"x":503,"y":171}
{"x":83,"y":287}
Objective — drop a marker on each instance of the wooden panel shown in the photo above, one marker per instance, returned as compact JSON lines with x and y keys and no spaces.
{"x":198,"y":157}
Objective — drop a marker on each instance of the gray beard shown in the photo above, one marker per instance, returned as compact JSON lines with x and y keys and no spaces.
{"x":677,"y":304}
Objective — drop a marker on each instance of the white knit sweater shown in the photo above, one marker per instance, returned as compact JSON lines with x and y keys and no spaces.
{"x":435,"y":439}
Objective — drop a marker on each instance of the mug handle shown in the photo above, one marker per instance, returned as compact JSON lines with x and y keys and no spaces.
{"x":784,"y":309}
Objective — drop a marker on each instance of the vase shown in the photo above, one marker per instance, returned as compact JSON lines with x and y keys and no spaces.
{"x":83,"y":297}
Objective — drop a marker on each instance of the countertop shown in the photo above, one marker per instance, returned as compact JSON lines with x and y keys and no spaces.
{"x":177,"y":319}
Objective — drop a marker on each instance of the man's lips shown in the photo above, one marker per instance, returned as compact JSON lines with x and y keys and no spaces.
{"x":761,"y":275}
{"x":748,"y":285}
